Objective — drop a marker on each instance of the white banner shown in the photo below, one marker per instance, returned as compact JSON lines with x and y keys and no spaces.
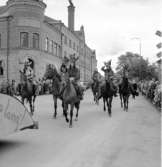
{"x":13,"y":115}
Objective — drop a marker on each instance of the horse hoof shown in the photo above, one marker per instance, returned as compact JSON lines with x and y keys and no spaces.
{"x":54,"y":116}
{"x":70,"y":126}
{"x":67,"y":120}
{"x":76,"y":119}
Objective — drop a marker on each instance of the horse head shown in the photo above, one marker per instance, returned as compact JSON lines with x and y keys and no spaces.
{"x":69,"y":94}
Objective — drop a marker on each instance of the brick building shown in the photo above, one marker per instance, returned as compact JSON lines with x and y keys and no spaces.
{"x":25,"y":32}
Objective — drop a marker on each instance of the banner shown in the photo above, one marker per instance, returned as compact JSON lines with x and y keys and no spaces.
{"x":14,"y":116}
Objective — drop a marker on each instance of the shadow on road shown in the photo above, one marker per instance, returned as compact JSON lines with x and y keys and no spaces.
{"x":6,"y":145}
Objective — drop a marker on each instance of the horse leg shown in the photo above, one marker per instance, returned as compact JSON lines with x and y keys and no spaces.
{"x":121,"y":101}
{"x":104,"y":100}
{"x":127,"y":102}
{"x":109,"y":106}
{"x":77,"y":108}
{"x":71,"y":115}
{"x":124,"y":102}
{"x":65,"y":108}
{"x":55,"y":106}
{"x":31,"y":107}
{"x":33,"y":101}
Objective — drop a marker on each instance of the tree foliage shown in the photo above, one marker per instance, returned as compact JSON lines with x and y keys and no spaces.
{"x":138,"y":66}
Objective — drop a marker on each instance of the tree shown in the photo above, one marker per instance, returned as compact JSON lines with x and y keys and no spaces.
{"x":138,"y":66}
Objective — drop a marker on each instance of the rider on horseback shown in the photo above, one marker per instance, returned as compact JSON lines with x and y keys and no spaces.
{"x":74,"y":75}
{"x":64,"y":74}
{"x":109,"y":76}
{"x":71,"y":72}
{"x":28,"y":74}
{"x":96,"y":82}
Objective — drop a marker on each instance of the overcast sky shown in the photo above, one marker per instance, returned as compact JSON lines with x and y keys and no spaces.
{"x":110,"y":25}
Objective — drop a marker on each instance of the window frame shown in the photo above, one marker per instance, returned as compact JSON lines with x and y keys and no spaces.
{"x":26,"y":43}
{"x":35,"y":41}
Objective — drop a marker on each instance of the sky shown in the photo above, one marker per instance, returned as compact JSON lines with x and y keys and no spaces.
{"x":113,"y":27}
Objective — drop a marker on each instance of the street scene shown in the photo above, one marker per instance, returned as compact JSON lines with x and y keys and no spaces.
{"x":80,"y":83}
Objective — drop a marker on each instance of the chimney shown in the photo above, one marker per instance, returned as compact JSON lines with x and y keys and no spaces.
{"x":71,"y":10}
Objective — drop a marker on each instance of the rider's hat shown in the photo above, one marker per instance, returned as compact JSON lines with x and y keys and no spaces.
{"x":108,"y":63}
{"x":65,"y":60}
{"x":73,"y":58}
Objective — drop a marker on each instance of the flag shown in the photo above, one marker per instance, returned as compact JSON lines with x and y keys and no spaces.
{"x":159,"y":54}
{"x":159,"y":33}
{"x":159,"y":45}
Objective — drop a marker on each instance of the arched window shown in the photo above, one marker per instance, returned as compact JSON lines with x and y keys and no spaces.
{"x":24,"y":39}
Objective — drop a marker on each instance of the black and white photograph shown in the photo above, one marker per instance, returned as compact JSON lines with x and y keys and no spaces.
{"x":80,"y":83}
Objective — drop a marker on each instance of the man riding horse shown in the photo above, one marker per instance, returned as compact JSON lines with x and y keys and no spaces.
{"x":71,"y":72}
{"x":27,"y":87}
{"x":109,"y":76}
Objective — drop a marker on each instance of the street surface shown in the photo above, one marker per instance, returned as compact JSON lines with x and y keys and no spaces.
{"x":127,"y":139}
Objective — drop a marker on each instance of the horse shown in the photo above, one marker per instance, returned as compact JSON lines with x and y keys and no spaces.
{"x":53,"y":75}
{"x":70,"y":98}
{"x":107,"y":95}
{"x":27,"y":90}
{"x":125,"y":89}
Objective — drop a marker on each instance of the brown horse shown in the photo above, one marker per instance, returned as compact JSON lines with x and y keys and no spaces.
{"x":27,"y":90}
{"x":70,"y":98}
{"x":53,"y":75}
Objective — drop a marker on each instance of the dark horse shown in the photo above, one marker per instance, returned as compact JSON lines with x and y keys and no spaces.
{"x":53,"y":75}
{"x":28,"y":91}
{"x":95,"y":90}
{"x":125,"y":89}
{"x":70,"y":98}
{"x":107,"y":94}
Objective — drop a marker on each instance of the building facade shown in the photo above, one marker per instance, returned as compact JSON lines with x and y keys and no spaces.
{"x":25,"y":32}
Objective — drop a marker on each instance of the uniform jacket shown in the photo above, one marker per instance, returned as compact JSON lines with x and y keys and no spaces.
{"x":108,"y":72}
{"x":74,"y":72}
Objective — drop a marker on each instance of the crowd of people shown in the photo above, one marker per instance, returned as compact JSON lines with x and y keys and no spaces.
{"x":152,"y":90}
{"x":43,"y":86}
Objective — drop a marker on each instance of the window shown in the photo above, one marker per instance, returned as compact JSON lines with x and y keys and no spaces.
{"x":36,"y":41}
{"x":65,"y":40}
{"x":0,"y":41}
{"x":65,"y":53}
{"x":50,"y":47}
{"x":55,"y":49}
{"x":1,"y":68}
{"x":74,"y":45}
{"x":46,"y":44}
{"x":24,"y":39}
{"x":70,"y":43}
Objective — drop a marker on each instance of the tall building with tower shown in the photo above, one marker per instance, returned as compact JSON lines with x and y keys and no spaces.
{"x":26,"y":32}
